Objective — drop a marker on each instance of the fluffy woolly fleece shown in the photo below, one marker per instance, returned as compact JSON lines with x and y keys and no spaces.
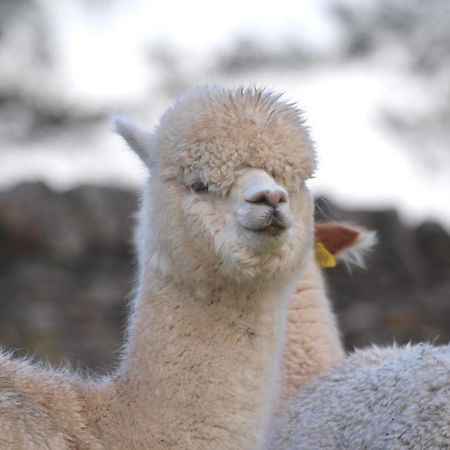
{"x":313,"y":344}
{"x":379,"y":398}
{"x":225,"y":232}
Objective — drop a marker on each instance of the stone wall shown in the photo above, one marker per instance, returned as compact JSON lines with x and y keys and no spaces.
{"x":66,"y":271}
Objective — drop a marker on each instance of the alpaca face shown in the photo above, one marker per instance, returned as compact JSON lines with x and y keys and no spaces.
{"x":256,"y":229}
{"x":227,"y":193}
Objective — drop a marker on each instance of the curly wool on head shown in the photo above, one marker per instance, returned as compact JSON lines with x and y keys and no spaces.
{"x":212,"y":132}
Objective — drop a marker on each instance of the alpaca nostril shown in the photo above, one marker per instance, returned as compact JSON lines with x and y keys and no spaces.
{"x":283,"y":198}
{"x":270,"y":197}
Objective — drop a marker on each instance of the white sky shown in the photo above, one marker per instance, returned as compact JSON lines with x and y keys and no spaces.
{"x":102,"y":53}
{"x":361,"y":164}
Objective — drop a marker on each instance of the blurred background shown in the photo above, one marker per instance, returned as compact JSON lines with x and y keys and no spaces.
{"x":373,"y":79}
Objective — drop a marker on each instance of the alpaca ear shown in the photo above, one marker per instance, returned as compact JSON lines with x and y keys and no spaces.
{"x":336,"y":237}
{"x":348,"y":243}
{"x":139,"y":139}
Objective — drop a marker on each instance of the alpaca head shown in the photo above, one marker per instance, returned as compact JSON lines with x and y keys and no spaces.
{"x":227,"y":187}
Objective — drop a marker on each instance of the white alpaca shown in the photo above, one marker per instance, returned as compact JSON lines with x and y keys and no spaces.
{"x":313,"y":344}
{"x":225,"y":229}
{"x":378,"y":398}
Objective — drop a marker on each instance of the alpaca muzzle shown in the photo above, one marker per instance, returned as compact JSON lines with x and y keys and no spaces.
{"x":265,"y":219}
{"x":264,"y":206}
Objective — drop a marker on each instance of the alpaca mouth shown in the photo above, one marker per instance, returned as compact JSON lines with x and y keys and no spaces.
{"x":273,"y":225}
{"x":276,"y":227}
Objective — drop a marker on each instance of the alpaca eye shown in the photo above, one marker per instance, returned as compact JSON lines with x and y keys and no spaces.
{"x":199,"y":187}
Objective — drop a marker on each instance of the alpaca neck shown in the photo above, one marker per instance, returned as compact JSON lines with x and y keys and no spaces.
{"x":313,"y":343}
{"x":200,"y":371}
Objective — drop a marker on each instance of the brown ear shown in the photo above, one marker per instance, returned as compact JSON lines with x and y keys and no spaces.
{"x":337,"y":237}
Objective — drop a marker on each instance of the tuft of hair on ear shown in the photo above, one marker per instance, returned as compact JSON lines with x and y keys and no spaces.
{"x":140,"y":140}
{"x":348,"y":243}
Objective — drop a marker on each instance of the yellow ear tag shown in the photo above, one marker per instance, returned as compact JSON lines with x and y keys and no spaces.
{"x":323,"y":257}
